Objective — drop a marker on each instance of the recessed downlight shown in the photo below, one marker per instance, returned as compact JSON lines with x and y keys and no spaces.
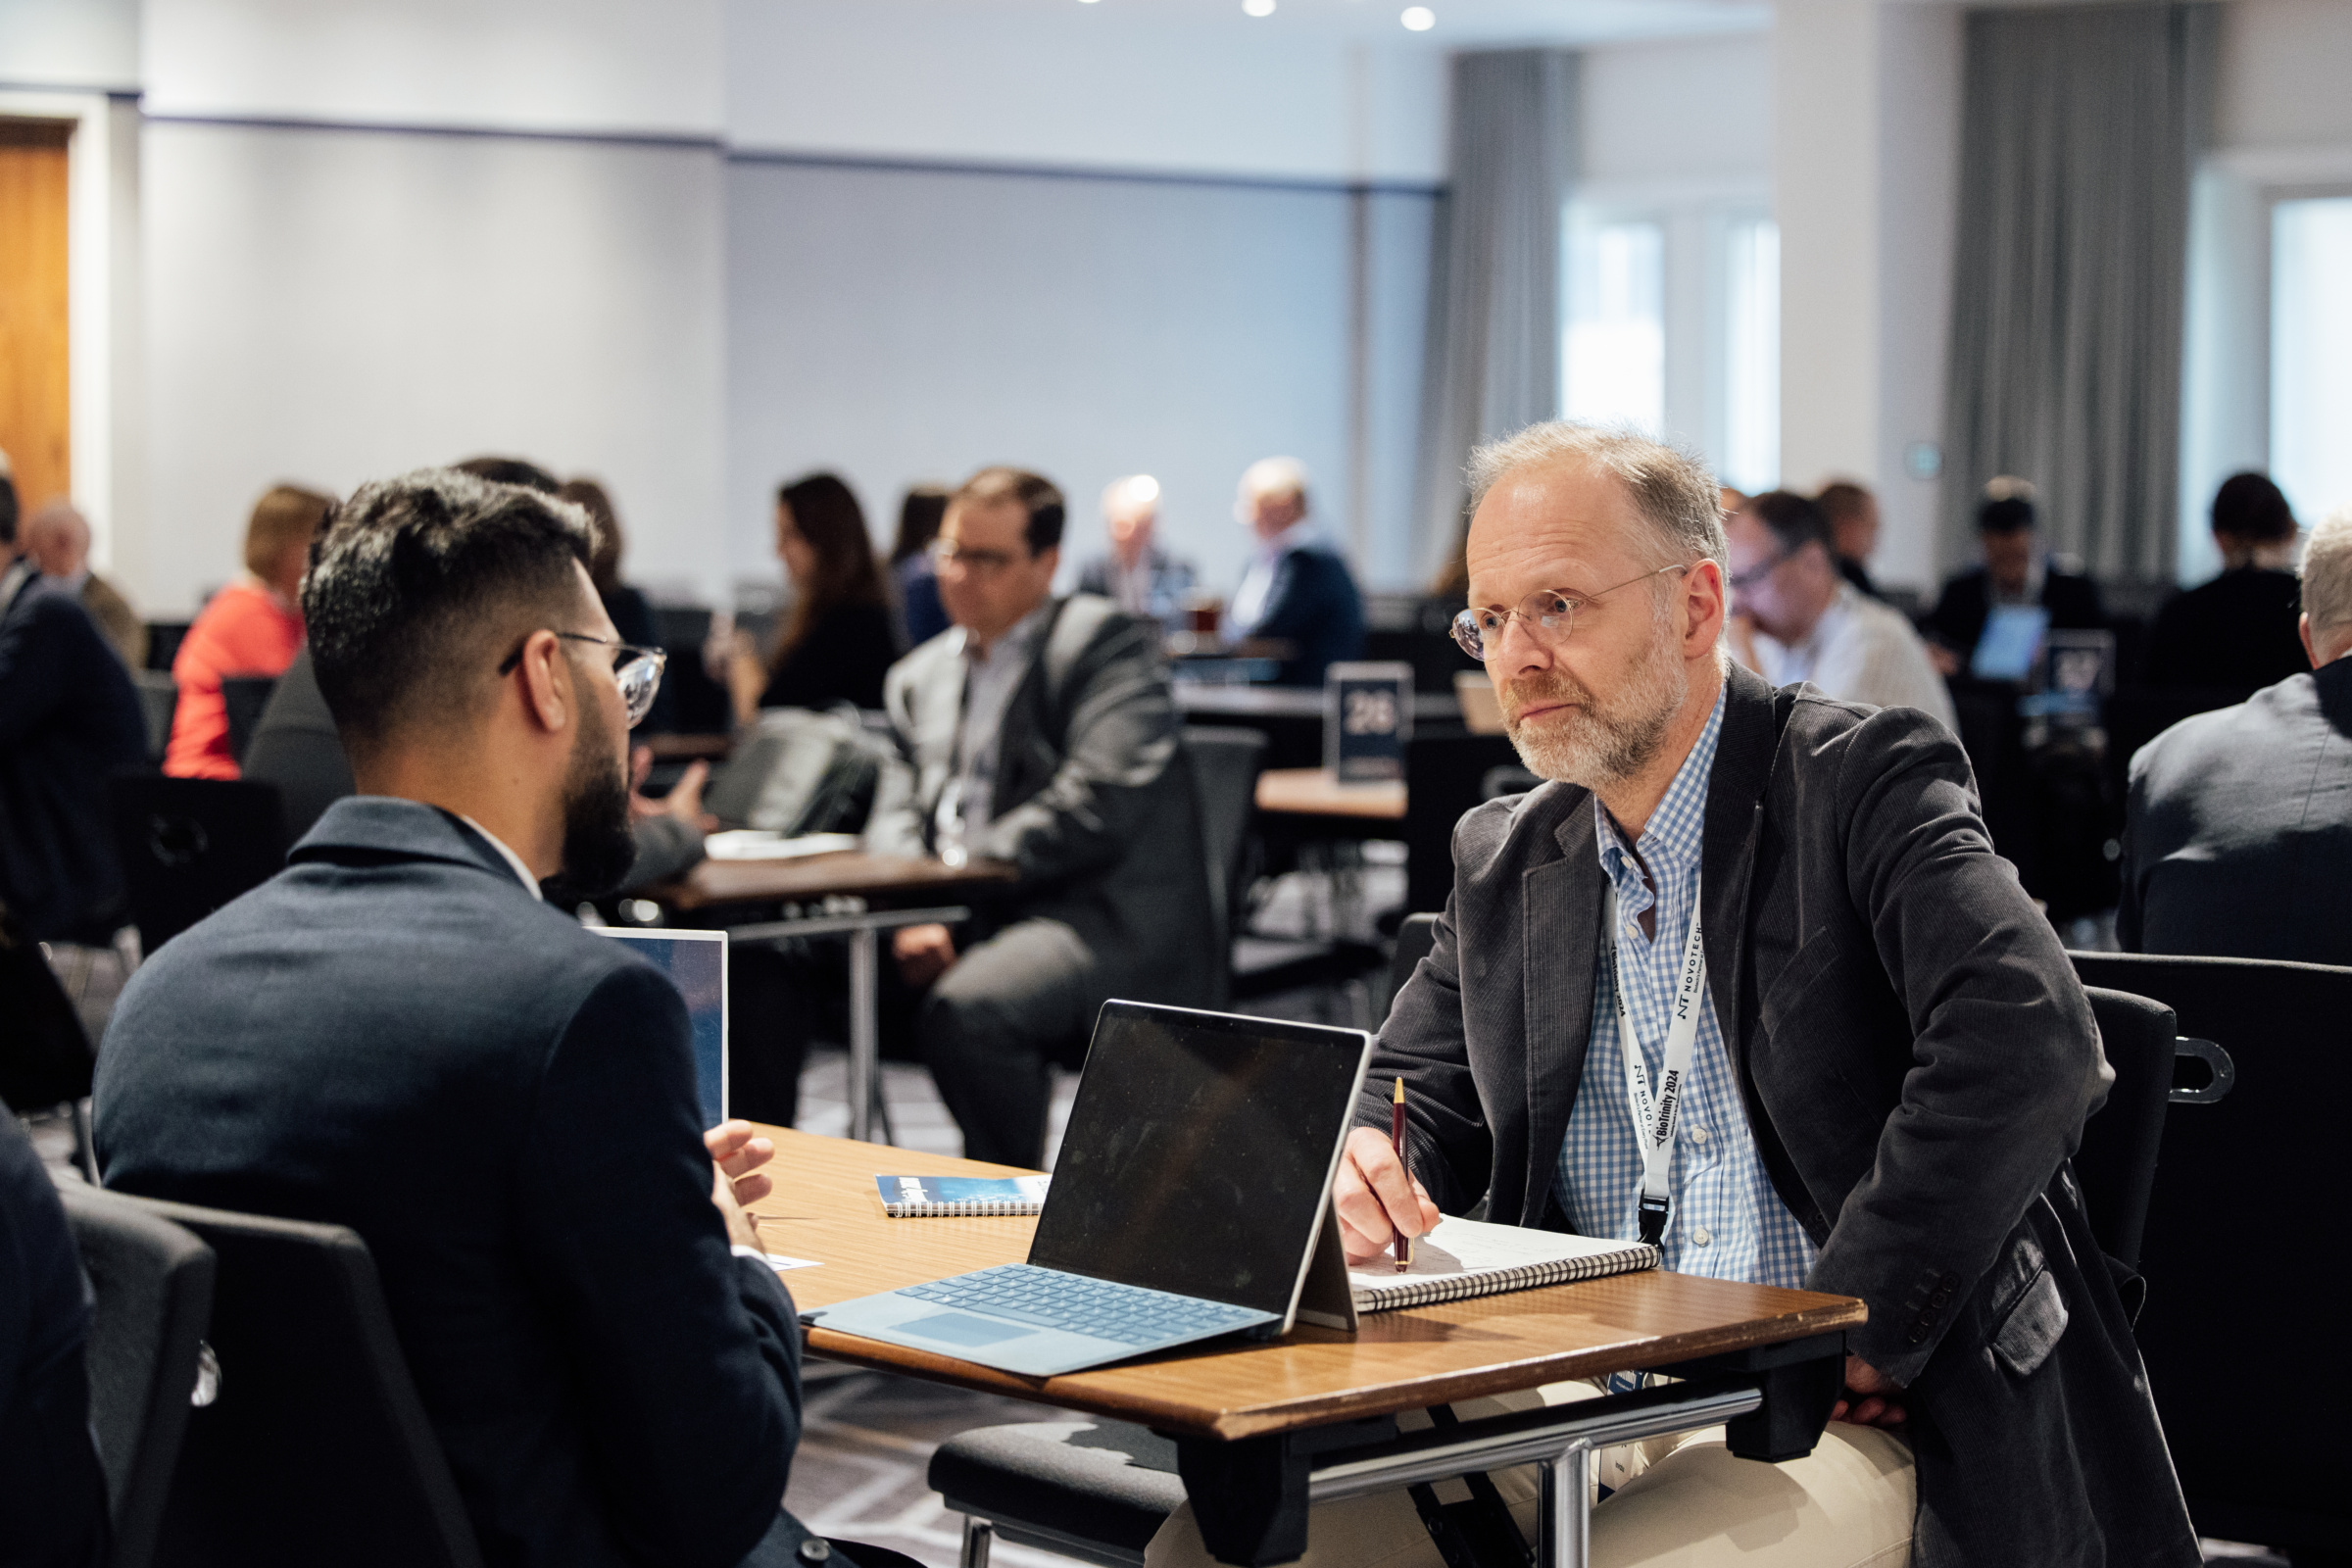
{"x":1418,"y":18}
{"x":1258,"y":8}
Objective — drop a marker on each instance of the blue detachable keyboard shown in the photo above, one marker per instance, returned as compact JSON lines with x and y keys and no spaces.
{"x":1125,"y":1314}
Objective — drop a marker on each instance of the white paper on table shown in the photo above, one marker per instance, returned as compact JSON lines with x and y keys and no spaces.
{"x":752,"y":844}
{"x":781,"y":1264}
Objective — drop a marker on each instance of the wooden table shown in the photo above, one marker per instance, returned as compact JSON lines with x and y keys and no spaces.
{"x":688,"y":748}
{"x":1314,"y":792}
{"x":1263,"y":1429}
{"x":886,"y":889}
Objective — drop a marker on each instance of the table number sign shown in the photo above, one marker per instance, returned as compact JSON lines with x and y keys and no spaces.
{"x":1367,"y":717}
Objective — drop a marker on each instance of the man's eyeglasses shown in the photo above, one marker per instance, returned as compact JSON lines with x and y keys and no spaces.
{"x":1549,"y":613}
{"x":637,"y":671}
{"x":1741,"y":581}
{"x":980,"y":563}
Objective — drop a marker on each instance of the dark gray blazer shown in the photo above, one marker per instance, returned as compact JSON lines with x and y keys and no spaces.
{"x":1917,"y":1059}
{"x":2238,"y":843}
{"x":1092,"y":802}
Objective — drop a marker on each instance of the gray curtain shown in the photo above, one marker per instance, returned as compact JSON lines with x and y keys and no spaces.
{"x":1493,"y":343}
{"x":2079,"y":129}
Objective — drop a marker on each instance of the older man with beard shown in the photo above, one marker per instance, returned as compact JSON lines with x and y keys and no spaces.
{"x":1884,"y":1068}
{"x":396,"y":1034}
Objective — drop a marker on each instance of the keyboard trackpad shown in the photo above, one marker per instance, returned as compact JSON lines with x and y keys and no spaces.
{"x":961,"y":1327}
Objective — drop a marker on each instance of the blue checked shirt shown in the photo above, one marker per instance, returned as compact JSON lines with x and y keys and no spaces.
{"x":1728,"y":1222}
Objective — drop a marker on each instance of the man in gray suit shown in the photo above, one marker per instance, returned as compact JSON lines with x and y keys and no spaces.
{"x":1870,"y":1059}
{"x":2239,"y":827}
{"x":1040,"y":732}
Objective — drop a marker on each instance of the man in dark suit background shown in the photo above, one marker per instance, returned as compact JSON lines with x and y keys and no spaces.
{"x":69,"y":720}
{"x":1298,"y":596}
{"x":2015,"y":571}
{"x":1044,"y":734}
{"x":2238,"y":829}
{"x":2240,"y":628}
{"x":395,"y":1034}
{"x":1890,"y":1061}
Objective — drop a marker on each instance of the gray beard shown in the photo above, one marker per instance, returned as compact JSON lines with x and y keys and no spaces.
{"x":1611,"y":740}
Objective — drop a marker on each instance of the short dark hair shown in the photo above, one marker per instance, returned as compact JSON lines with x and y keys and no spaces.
{"x":1794,"y":521}
{"x":2249,"y":507}
{"x":511,"y":471}
{"x":919,"y":516}
{"x":604,"y":562}
{"x":415,"y":584}
{"x":1842,"y":498}
{"x":1032,"y":491}
{"x":8,"y":510}
{"x":2008,"y":515}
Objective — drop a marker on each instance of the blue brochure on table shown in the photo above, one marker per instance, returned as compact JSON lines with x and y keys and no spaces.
{"x":696,"y":963}
{"x":957,"y":1196}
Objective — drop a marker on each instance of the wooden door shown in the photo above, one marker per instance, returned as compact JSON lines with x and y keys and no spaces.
{"x":36,"y":421}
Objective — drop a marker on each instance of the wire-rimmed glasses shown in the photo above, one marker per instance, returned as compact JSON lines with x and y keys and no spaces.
{"x":1550,"y":612}
{"x":637,"y":671}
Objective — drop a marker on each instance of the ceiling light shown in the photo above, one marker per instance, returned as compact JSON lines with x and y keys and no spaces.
{"x":1418,"y":18}
{"x":1258,"y":8}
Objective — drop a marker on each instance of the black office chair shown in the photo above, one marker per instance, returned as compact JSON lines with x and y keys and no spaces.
{"x":1096,"y":1490}
{"x":158,"y":702}
{"x":2116,"y":1163}
{"x":190,"y":845}
{"x":242,"y":699}
{"x":45,"y":1055}
{"x":2237,"y":1246}
{"x":151,"y":1283}
{"x":1225,"y":760}
{"x":317,"y":1434}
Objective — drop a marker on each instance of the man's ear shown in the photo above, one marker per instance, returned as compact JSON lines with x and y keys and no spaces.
{"x":548,"y":696}
{"x":1705,"y":603}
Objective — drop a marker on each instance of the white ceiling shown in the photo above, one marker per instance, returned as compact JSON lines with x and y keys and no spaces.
{"x":1459,"y":23}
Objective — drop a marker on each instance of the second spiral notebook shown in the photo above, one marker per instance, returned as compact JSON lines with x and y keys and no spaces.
{"x":961,"y":1197}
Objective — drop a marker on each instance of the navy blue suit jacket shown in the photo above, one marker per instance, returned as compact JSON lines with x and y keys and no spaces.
{"x":52,"y":1492}
{"x":68,"y":722}
{"x":393,"y":1034}
{"x":1315,"y":608}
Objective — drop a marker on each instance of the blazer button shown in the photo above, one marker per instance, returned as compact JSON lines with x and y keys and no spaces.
{"x":1940,"y":1298}
{"x":1918,"y":1334}
{"x":815,"y":1549}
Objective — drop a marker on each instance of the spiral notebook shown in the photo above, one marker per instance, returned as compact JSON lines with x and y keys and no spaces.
{"x":1466,"y":1257}
{"x":959,"y":1196}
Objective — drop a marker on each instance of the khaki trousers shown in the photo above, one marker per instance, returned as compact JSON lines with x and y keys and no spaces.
{"x":1682,"y":1500}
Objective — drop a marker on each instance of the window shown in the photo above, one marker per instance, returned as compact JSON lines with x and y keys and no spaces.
{"x":1670,"y":312}
{"x":2311,"y":353}
{"x":1614,"y":343}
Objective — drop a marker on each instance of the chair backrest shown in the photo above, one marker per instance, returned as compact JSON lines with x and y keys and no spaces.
{"x":2115,"y":1163}
{"x":190,"y":845}
{"x":1225,"y":760}
{"x":1445,"y":776}
{"x":158,"y":702}
{"x":45,"y":1057}
{"x":242,"y":699}
{"x":317,"y":1434}
{"x":2241,"y":1192}
{"x":1414,"y":938}
{"x":151,"y":1283}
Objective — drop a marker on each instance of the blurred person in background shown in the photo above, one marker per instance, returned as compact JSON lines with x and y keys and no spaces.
{"x":837,"y":640}
{"x":2240,"y":628}
{"x":2238,"y":827}
{"x":916,"y":584}
{"x":250,"y":627}
{"x":631,"y":615}
{"x":1297,"y":595}
{"x":69,"y":720}
{"x":1138,"y":575}
{"x":2015,"y":571}
{"x":1795,"y":619}
{"x":1853,"y":513}
{"x":58,"y":539}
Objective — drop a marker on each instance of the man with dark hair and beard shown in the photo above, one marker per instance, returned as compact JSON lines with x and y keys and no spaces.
{"x":1863,"y":1061}
{"x":397,"y":1035}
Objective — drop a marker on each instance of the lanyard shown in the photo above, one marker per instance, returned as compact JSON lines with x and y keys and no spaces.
{"x":1655,"y":1113}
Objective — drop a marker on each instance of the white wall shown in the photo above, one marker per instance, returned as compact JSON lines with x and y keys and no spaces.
{"x":535,"y":64}
{"x":2284,"y":70}
{"x":1696,"y":111}
{"x":331,"y":306}
{"x":69,"y":43}
{"x":902,"y":326}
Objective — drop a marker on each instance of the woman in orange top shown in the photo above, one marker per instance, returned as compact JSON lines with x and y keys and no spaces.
{"x":250,"y":627}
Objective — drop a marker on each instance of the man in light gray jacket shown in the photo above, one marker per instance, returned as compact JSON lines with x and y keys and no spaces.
{"x":1040,"y":732}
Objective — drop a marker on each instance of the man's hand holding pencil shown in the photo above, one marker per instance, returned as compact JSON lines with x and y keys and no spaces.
{"x":1378,"y":1201}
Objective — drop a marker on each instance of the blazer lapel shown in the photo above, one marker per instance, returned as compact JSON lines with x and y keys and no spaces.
{"x":1743,"y":758}
{"x":1561,"y":926}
